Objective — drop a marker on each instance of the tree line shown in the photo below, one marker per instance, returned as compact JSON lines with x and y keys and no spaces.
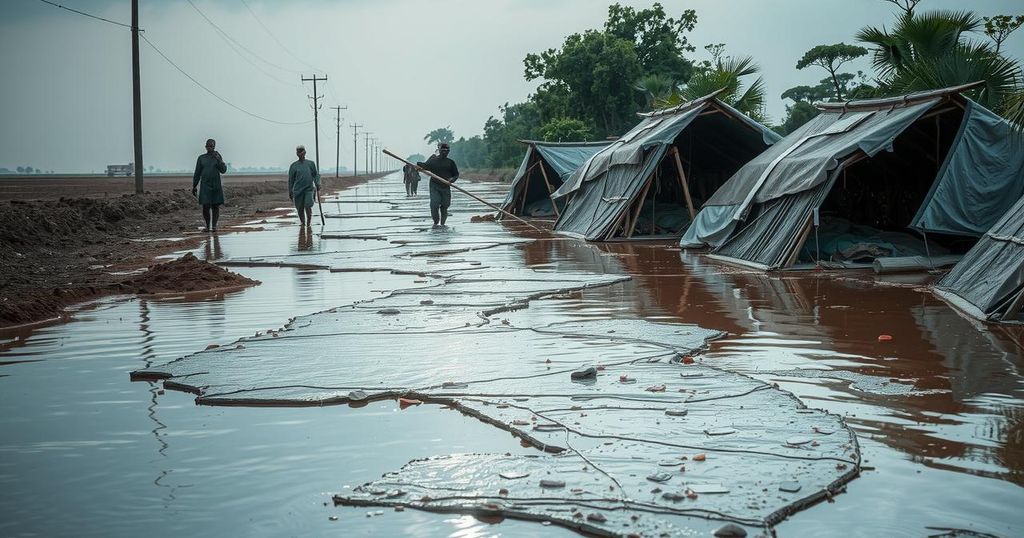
{"x":641,"y":59}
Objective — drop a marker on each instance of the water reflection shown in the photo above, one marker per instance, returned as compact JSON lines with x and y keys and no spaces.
{"x":211,"y":249}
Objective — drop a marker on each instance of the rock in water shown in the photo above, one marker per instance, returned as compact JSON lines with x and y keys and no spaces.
{"x":730,"y":530}
{"x":585,"y":373}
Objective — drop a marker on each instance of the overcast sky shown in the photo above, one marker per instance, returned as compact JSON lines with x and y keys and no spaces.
{"x":402,"y":67}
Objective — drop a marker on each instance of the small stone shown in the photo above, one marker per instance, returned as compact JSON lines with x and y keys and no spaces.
{"x":585,"y":373}
{"x":356,"y":395}
{"x":730,"y":530}
{"x":520,"y":422}
{"x":426,"y":302}
{"x":389,"y":311}
{"x":332,"y":518}
{"x":721,"y":431}
{"x":789,"y":487}
{"x":212,"y":346}
{"x":552,"y":483}
{"x":503,"y":491}
{"x":676,"y":412}
{"x":659,"y":477}
{"x":700,"y":457}
{"x":625,"y":379}
{"x":399,"y":508}
{"x":656,"y":388}
{"x":674,"y":496}
{"x":596,"y":517}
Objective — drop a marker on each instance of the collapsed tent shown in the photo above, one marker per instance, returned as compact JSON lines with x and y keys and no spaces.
{"x":861,"y":173}
{"x":648,"y":183}
{"x":546,"y":166}
{"x":988,"y":283}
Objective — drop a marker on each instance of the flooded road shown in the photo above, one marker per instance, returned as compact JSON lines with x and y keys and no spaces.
{"x":938,"y":409}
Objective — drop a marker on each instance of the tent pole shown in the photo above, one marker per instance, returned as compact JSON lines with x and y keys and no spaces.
{"x":927,"y":251}
{"x":550,"y":190}
{"x":1014,"y":309}
{"x":639,"y":205}
{"x":800,"y":242}
{"x":682,"y":180}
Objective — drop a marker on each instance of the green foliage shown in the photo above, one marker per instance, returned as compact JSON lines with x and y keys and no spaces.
{"x":518,"y":122}
{"x":797,"y":114}
{"x":1000,"y":27}
{"x":660,"y":41}
{"x":726,"y":74}
{"x":565,"y":130}
{"x":439,"y":135}
{"x":831,"y":58}
{"x":917,"y":37}
{"x":654,"y":88}
{"x":469,"y":152}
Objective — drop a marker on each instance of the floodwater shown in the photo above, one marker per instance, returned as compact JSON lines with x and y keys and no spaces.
{"x":938,"y":410}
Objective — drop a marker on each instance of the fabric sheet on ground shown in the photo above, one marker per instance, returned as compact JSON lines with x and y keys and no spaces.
{"x":840,"y":240}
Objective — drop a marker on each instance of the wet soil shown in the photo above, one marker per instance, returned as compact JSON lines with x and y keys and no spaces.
{"x":57,"y":250}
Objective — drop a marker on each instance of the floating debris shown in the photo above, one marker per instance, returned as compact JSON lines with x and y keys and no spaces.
{"x":550,"y":483}
{"x":789,"y":487}
{"x":584,"y":373}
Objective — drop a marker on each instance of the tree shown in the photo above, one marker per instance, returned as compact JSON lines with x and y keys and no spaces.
{"x":1000,"y":27}
{"x":470,"y":152}
{"x":439,"y":135}
{"x":660,"y":41}
{"x":797,"y":114}
{"x":654,"y":88}
{"x":21,"y":169}
{"x":831,"y":58}
{"x":907,"y":6}
{"x":727,"y":74}
{"x":29,"y":169}
{"x":565,"y":130}
{"x":917,"y":37}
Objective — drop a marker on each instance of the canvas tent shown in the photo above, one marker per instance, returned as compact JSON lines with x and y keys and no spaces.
{"x":544,"y":168}
{"x":647,"y":183}
{"x":860,"y":174}
{"x":988,"y":283}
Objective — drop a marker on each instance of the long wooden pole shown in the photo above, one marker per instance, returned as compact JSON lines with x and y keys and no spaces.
{"x":463,"y":191}
{"x":682,"y":179}
{"x":136,"y":99}
{"x":550,"y":190}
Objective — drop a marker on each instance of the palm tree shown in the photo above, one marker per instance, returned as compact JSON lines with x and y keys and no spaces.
{"x":725,"y":75}
{"x":655,"y":88}
{"x":917,"y":37}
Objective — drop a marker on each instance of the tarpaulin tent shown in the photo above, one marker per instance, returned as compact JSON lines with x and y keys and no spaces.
{"x":646,"y":183}
{"x":988,"y":283}
{"x":935,"y":162}
{"x":543,"y":170}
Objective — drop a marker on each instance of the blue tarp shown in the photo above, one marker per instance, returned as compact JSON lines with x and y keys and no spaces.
{"x":562,"y":157}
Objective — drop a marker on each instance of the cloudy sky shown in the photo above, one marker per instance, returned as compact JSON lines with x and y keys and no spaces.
{"x":402,"y":67}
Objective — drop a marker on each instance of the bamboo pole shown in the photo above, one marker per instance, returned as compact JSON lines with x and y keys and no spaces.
{"x":463,"y":191}
{"x":550,"y":190}
{"x":521,"y":197}
{"x":682,"y":179}
{"x":639,"y":207}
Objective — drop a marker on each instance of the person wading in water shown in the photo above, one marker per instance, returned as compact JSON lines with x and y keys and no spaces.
{"x":303,"y":180}
{"x":206,"y":179}
{"x":440,"y":194}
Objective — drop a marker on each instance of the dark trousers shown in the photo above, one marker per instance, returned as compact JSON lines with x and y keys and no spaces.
{"x":440,"y":199}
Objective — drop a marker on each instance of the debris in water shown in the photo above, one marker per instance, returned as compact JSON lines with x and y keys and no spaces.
{"x":389,"y":311}
{"x":676,"y":412}
{"x":719,"y":431}
{"x":700,"y":457}
{"x":659,"y":477}
{"x":656,"y":388}
{"x":551,"y":483}
{"x":406,"y":402}
{"x":730,"y":530}
{"x":789,"y":487}
{"x":884,"y":337}
{"x":584,"y":373}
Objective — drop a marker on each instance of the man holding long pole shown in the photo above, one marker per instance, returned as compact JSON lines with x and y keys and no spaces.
{"x":440,"y":193}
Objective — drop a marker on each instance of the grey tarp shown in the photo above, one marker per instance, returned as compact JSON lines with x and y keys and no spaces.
{"x":990,"y":277}
{"x":608,"y":182}
{"x":799,"y":162}
{"x":982,"y":175}
{"x":563,"y":157}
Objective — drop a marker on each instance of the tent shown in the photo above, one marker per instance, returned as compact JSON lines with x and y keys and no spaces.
{"x":988,"y":283}
{"x":852,"y":181}
{"x":546,"y":166}
{"x":647,"y":183}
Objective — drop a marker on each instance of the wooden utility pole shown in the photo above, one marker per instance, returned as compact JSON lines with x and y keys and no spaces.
{"x":337,"y":152}
{"x":355,"y":149}
{"x":316,"y":106}
{"x":366,"y":148}
{"x":136,"y":97}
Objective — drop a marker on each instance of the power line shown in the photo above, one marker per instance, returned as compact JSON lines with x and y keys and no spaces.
{"x":211,"y":92}
{"x":276,"y":40}
{"x":86,"y":14}
{"x":234,"y":41}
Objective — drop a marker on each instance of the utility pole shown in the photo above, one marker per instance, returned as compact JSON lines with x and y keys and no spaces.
{"x":355,"y":149}
{"x":366,"y":148}
{"x":316,"y":107}
{"x":337,"y":151}
{"x":136,"y":98}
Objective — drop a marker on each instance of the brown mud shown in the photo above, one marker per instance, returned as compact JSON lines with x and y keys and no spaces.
{"x":56,"y":250}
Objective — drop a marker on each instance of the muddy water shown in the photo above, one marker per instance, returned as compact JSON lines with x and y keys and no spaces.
{"x":938,"y":409}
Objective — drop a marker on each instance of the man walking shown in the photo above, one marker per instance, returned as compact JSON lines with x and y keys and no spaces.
{"x":303,"y":182}
{"x":440,"y":194}
{"x":206,"y":179}
{"x":412,"y":179}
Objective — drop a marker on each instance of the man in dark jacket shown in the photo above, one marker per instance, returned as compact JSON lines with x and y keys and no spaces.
{"x":440,"y":194}
{"x":206,"y":180}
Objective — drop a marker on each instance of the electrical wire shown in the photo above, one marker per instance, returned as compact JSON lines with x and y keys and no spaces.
{"x":218,"y":97}
{"x":236,"y":45}
{"x":276,"y":40}
{"x":86,"y":14}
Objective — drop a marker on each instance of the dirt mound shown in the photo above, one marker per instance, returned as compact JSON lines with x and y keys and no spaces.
{"x":186,"y":274}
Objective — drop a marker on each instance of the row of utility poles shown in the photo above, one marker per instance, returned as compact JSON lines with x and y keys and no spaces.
{"x":371,"y":165}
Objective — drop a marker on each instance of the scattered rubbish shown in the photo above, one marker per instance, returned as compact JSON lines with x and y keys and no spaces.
{"x":626,"y":379}
{"x":427,"y":302}
{"x":551,"y":483}
{"x":212,"y":346}
{"x":699,"y":457}
{"x":676,"y":412}
{"x":332,"y":518}
{"x":407,"y":402}
{"x":884,"y":337}
{"x":389,"y":311}
{"x":687,"y":360}
{"x":656,"y":388}
{"x":357,"y":395}
{"x":596,"y":517}
{"x":659,"y":477}
{"x":718,"y":431}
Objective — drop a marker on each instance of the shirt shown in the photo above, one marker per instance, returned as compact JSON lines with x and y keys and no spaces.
{"x":443,"y":167}
{"x":302,"y":176}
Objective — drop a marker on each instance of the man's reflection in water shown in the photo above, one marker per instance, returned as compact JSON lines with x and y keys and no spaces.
{"x":305,"y":239}
{"x":211,"y":250}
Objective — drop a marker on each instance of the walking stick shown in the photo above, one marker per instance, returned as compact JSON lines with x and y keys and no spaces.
{"x":464,"y":191}
{"x":320,"y":202}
